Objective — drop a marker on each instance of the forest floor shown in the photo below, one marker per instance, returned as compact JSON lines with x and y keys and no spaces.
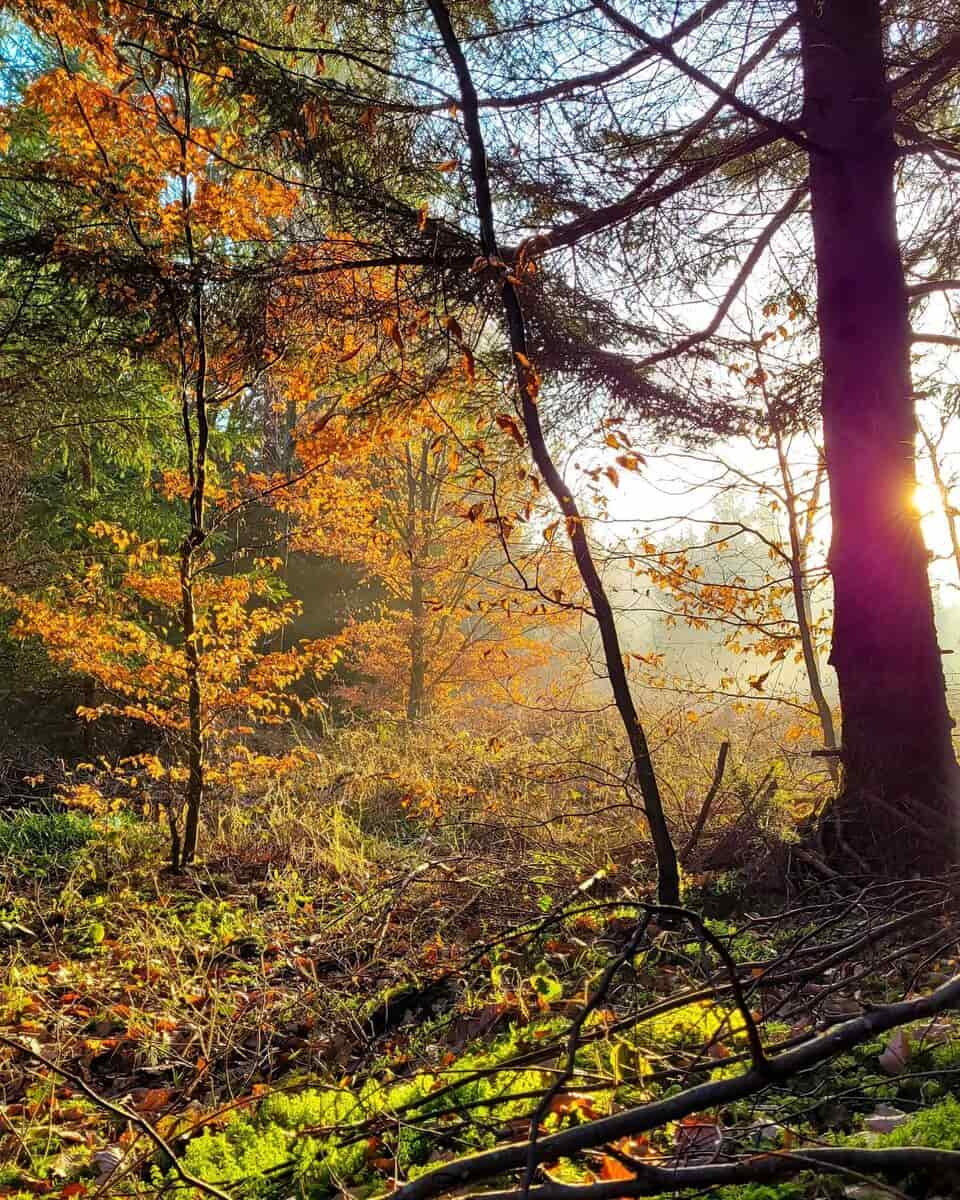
{"x":358,"y":984}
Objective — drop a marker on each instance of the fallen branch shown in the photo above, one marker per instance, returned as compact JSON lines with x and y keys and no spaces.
{"x":634,"y":1121}
{"x":759,"y":1168}
{"x":119,"y":1110}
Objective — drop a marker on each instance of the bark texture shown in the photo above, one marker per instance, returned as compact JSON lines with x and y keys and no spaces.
{"x":899,"y":800}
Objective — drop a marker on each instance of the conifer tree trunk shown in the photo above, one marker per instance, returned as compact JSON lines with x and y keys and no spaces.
{"x":899,"y":798}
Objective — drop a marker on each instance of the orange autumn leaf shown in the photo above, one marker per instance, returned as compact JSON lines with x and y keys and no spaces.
{"x":613,"y":1169}
{"x":392,"y":330}
{"x":509,"y":425}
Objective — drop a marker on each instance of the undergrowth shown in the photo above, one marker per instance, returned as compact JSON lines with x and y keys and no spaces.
{"x":373,"y":969}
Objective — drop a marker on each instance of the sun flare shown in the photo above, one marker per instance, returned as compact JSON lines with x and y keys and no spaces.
{"x":925,"y":499}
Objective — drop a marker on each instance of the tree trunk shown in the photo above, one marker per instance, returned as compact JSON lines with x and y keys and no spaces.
{"x":193,"y":797}
{"x":88,"y":482}
{"x":801,"y":594}
{"x":418,"y":668}
{"x":900,"y":792}
{"x":418,"y":548}
{"x":668,"y":875}
{"x":196,"y":447}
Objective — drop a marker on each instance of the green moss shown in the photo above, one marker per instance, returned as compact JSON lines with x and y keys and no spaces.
{"x":306,"y":1137}
{"x":947,"y":1056}
{"x":693,"y":1025}
{"x":937,"y":1126}
{"x":792,"y":1190}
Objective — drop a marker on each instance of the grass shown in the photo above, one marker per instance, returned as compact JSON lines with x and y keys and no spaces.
{"x":43,"y":841}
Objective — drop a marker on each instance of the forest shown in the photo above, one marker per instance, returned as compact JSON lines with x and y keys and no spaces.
{"x":479,"y":571}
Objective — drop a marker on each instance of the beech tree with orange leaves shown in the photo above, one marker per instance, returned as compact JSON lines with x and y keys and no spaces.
{"x":120,"y":624}
{"x":176,"y":213}
{"x":472,"y":589}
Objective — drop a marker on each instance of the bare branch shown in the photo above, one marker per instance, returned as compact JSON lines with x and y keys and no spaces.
{"x":730,"y":98}
{"x":928,"y":287}
{"x":936,"y":339}
{"x":707,"y":803}
{"x":746,"y":269}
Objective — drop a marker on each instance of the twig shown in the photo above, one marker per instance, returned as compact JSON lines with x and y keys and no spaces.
{"x":707,"y":803}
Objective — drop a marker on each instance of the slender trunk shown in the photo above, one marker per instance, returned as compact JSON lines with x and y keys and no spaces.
{"x":668,"y":873}
{"x":899,"y":798}
{"x":87,"y":475}
{"x":811,"y":663}
{"x":197,"y":449}
{"x":416,"y":535}
{"x":192,"y":544}
{"x":801,"y":595}
{"x":195,"y":741}
{"x":943,"y":491}
{"x":418,"y":668}
{"x":192,"y":657}
{"x":801,"y":603}
{"x":88,"y":481}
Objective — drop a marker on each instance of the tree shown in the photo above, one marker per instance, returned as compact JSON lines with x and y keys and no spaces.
{"x":474,"y":594}
{"x":528,"y":390}
{"x":120,"y":623}
{"x":901,"y":775}
{"x":752,"y":143}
